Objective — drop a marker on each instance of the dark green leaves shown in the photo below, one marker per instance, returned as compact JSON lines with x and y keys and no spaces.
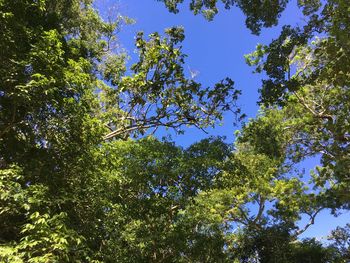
{"x":259,"y":14}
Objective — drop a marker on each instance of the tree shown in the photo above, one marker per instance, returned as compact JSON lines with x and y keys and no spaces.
{"x":63,"y":88}
{"x":341,"y":242}
{"x":158,"y":94}
{"x":314,"y":99}
{"x":75,"y":186}
{"x":148,"y":184}
{"x":259,"y":14}
{"x":47,"y":123}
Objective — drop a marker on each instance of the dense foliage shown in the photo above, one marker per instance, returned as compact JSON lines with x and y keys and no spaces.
{"x":83,"y":179}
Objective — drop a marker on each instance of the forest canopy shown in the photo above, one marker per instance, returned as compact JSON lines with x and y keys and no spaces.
{"x":84,"y":176}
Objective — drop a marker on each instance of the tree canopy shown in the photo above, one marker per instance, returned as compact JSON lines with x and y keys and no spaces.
{"x":83,"y":178}
{"x":258,"y":13}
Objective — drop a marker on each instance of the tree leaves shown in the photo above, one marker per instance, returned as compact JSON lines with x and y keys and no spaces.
{"x":158,"y":94}
{"x":258,"y":14}
{"x":74,"y":186}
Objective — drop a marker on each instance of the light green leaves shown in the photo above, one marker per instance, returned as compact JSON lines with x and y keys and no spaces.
{"x":47,"y":238}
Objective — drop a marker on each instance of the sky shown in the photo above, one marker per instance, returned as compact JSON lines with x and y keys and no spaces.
{"x":216,"y":50}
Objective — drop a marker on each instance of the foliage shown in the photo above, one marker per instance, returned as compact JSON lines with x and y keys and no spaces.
{"x":158,"y":94}
{"x":341,"y":242}
{"x":258,"y":14}
{"x":74,"y":186}
{"x":62,"y":87}
{"x":274,"y":245}
{"x":48,"y":239}
{"x":149,"y":182}
{"x":310,"y":81}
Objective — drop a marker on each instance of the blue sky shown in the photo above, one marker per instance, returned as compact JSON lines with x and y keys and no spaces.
{"x":215,"y":49}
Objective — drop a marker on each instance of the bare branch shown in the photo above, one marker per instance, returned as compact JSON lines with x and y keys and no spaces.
{"x":261,"y":203}
{"x":310,"y":223}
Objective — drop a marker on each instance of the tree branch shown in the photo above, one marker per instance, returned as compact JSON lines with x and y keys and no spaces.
{"x":310,"y":223}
